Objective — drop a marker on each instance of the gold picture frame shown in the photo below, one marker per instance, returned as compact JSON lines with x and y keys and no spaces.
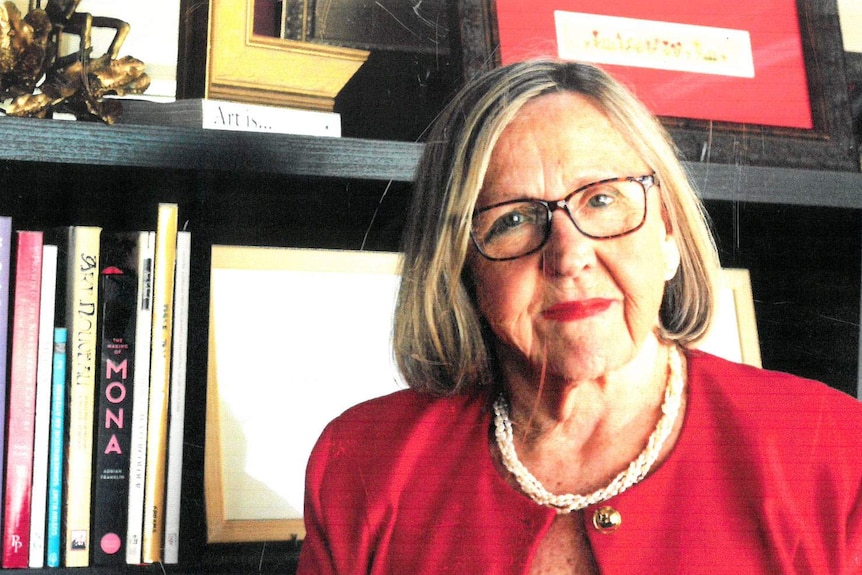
{"x":733,"y":334}
{"x":245,"y":67}
{"x":277,"y":316}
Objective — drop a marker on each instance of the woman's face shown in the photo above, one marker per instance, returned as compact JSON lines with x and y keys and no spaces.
{"x":580,"y":306}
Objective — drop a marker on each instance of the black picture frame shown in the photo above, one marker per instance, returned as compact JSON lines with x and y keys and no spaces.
{"x":830,"y":145}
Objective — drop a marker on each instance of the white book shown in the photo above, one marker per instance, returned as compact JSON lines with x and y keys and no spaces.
{"x":178,"y":399}
{"x":233,"y":116}
{"x":141,"y":396}
{"x":41,"y":431}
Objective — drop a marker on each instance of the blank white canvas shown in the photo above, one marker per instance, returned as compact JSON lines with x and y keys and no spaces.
{"x":295,"y":349}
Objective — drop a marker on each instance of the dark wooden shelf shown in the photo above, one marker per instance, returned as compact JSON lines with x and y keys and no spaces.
{"x":65,"y":142}
{"x":57,"y":141}
{"x":771,"y":185}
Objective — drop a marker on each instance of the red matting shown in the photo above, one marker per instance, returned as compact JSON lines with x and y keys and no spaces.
{"x":777,"y":95}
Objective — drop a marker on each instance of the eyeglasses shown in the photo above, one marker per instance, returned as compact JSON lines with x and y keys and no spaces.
{"x":602,"y":210}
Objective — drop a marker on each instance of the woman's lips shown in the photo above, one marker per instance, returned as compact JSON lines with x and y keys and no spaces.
{"x":575,"y":310}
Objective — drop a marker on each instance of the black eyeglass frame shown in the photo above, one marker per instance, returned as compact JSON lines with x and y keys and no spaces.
{"x":647,"y":182}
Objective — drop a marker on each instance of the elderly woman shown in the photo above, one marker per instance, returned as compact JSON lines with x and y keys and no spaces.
{"x":557,"y":271}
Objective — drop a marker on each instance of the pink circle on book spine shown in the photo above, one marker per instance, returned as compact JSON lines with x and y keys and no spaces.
{"x":111,"y":543}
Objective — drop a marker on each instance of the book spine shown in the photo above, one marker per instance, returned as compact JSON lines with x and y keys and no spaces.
{"x":22,"y":400}
{"x":177,"y":399}
{"x":38,"y":502}
{"x":160,"y":367}
{"x":140,"y":396}
{"x":53,"y":527}
{"x":232,"y":116}
{"x":5,"y":266}
{"x":117,"y":301}
{"x":81,"y":309}
{"x":237,"y":116}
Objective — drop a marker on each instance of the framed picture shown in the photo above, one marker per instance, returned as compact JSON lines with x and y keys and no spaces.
{"x":761,"y":84}
{"x":278,"y":319}
{"x":249,"y":67}
{"x":416,"y":27}
{"x":733,"y":334}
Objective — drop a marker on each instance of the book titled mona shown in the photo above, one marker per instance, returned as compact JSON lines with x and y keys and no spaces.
{"x":118,"y":286}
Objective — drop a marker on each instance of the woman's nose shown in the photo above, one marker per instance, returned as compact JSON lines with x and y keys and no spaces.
{"x":568,"y":250}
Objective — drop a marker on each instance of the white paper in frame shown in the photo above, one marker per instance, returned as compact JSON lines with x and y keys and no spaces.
{"x":296,"y":337}
{"x":733,"y":334}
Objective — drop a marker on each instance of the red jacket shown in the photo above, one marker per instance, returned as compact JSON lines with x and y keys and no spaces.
{"x":766,"y":477}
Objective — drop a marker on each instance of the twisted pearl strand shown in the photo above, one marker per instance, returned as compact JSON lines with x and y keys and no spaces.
{"x":637,"y":469}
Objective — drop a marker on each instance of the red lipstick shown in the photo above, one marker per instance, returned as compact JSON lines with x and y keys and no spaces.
{"x":575,"y":310}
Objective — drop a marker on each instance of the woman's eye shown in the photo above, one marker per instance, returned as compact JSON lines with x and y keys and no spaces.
{"x":600,"y":200}
{"x":511,"y":221}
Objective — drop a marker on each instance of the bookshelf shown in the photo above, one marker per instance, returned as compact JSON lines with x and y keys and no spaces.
{"x":128,"y":146}
{"x":47,"y":142}
{"x":266,"y":189}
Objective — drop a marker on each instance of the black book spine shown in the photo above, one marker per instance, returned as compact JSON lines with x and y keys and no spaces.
{"x":118,"y":297}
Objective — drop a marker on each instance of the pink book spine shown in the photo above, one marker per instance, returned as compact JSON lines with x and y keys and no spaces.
{"x":22,"y":400}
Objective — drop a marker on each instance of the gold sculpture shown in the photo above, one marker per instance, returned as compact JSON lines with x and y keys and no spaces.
{"x":39,"y":81}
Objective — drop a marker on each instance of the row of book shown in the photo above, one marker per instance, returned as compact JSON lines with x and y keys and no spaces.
{"x":94,"y":324}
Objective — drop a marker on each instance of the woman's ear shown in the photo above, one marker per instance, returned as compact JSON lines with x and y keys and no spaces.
{"x":670,"y":249}
{"x":671,"y":258}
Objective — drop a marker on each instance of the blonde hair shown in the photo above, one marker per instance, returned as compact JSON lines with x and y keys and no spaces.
{"x":440,"y":342}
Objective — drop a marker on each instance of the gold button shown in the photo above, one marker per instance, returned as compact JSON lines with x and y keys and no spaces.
{"x":607,"y":519}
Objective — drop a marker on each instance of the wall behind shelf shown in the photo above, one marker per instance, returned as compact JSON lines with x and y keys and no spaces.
{"x":396,"y":95}
{"x":805,"y":268}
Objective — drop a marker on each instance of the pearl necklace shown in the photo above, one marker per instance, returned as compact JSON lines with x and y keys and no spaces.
{"x":637,"y":469}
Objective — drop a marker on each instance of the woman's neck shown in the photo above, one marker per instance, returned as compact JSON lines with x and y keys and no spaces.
{"x":547,"y":409}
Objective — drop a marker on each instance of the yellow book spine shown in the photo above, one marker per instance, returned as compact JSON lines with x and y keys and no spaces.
{"x":160,"y":371}
{"x":82,"y":277}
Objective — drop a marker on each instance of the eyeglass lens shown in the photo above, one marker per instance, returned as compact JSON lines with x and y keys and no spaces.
{"x":600,"y":210}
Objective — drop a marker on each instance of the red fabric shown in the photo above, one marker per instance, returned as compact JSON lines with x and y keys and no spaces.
{"x":765,"y":478}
